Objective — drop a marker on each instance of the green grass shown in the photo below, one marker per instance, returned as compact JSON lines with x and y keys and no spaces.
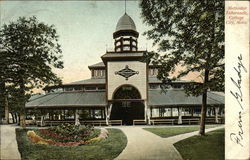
{"x":103,"y":150}
{"x":209,"y":147}
{"x":173,"y":131}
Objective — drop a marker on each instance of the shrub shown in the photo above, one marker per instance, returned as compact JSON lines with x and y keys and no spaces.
{"x":39,"y":140}
{"x":68,"y":133}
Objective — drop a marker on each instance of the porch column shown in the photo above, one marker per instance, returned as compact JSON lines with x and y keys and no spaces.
{"x":146,"y":113}
{"x":42,"y":121}
{"x":109,"y":108}
{"x":179,"y":115}
{"x":208,"y":114}
{"x":216,"y":115}
{"x":149,"y":115}
{"x":192,"y":112}
{"x":106,"y":115}
{"x":171,"y":112}
{"x":77,"y":122}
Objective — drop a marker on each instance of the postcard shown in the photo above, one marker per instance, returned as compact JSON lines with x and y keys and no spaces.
{"x":125,"y":80}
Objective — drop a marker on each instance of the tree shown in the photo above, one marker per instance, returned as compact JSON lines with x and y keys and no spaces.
{"x":190,"y":34}
{"x":29,"y":51}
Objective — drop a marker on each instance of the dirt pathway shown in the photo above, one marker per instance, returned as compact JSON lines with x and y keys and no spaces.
{"x":9,"y":150}
{"x":144,"y":145}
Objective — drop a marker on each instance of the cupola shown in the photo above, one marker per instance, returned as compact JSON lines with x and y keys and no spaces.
{"x":125,"y":35}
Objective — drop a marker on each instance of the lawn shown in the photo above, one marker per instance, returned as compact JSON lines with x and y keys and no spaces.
{"x":173,"y":131}
{"x":105,"y":149}
{"x":209,"y":147}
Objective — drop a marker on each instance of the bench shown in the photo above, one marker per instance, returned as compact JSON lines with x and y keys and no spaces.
{"x":112,"y":122}
{"x":139,"y":121}
{"x":163,"y":121}
{"x":191,"y":121}
{"x":30,"y":122}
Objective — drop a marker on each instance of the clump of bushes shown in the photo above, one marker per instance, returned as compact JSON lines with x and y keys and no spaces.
{"x":69,"y":133}
{"x":64,"y":135}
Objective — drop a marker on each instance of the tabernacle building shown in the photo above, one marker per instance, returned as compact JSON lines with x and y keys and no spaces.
{"x":124,"y":90}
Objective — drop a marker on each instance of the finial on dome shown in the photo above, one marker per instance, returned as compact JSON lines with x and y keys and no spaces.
{"x":125,"y":6}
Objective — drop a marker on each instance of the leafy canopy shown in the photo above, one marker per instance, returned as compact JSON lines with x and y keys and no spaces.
{"x":28,"y":51}
{"x":190,"y":34}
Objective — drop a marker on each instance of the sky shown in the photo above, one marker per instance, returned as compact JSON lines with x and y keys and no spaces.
{"x":85,"y":28}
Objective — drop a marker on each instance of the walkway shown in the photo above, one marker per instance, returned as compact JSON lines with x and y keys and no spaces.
{"x":9,"y":149}
{"x":144,"y":145}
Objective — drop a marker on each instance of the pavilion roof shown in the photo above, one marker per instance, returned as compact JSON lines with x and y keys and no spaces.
{"x":174,"y":97}
{"x":177,"y":97}
{"x":97,"y":65}
{"x":103,"y":81}
{"x":69,"y":99}
{"x":88,"y":81}
{"x":154,"y":79}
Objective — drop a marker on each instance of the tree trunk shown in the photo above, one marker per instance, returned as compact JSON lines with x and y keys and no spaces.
{"x":204,"y":106}
{"x":15,"y":117}
{"x":4,"y":95}
{"x":18,"y":118}
{"x":6,"y":109}
{"x":23,"y":101}
{"x":22,"y":120}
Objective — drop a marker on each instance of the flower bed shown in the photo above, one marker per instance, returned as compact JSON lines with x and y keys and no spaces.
{"x":64,"y":135}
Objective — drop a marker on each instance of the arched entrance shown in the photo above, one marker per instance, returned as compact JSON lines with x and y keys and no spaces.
{"x":127,"y":105}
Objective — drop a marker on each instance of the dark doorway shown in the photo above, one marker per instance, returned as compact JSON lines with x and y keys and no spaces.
{"x":127,"y":107}
{"x":127,"y":111}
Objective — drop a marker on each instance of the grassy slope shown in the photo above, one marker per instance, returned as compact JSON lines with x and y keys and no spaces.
{"x":209,"y":147}
{"x":105,"y":149}
{"x":172,"y":131}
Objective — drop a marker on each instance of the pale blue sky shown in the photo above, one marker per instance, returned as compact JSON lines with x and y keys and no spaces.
{"x":84,"y":27}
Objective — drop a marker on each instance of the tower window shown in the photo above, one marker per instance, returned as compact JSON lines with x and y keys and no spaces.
{"x":118,"y":43}
{"x":126,"y":42}
{"x":126,"y":48}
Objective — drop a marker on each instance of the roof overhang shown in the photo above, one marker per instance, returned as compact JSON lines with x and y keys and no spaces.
{"x":133,"y":56}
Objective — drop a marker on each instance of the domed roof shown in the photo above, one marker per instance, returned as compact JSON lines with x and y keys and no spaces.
{"x":125,"y":23}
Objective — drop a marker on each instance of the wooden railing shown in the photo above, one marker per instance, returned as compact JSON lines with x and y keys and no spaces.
{"x":102,"y":122}
{"x":212,"y":120}
{"x":209,"y":120}
{"x":191,"y":121}
{"x":87,"y":122}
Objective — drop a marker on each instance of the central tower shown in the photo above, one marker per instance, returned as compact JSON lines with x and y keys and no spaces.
{"x":126,"y":74}
{"x":125,"y":35}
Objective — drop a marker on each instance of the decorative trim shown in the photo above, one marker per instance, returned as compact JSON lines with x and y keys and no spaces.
{"x":126,"y":72}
